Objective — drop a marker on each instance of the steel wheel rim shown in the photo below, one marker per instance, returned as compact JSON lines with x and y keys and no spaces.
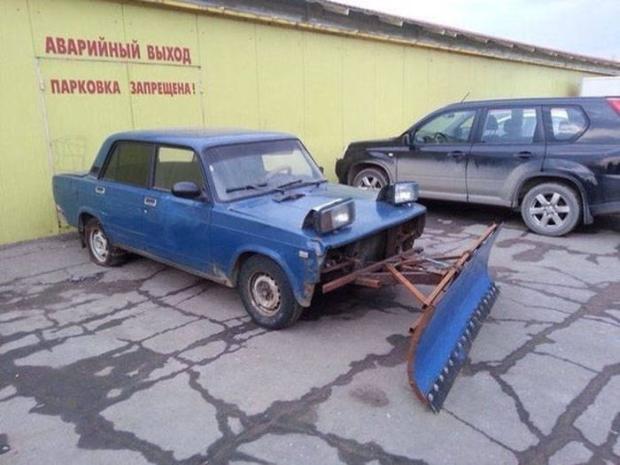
{"x":265,"y":294}
{"x":99,"y":245}
{"x":370,"y":182}
{"x":549,"y":210}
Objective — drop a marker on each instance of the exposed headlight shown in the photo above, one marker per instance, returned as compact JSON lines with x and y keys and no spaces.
{"x":399,"y":193}
{"x":331,"y":216}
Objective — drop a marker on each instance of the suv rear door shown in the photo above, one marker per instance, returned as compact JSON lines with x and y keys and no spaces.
{"x":509,"y":144}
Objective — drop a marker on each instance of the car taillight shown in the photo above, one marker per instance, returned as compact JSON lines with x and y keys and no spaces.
{"x":615,"y":104}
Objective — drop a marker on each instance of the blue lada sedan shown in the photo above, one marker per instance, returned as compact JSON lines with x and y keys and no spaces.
{"x":247,"y":209}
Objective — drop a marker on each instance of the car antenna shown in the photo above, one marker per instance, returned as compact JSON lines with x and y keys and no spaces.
{"x":465,"y":96}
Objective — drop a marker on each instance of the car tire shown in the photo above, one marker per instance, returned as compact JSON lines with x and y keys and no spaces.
{"x":100,"y":249}
{"x":551,"y":209}
{"x":267,"y":294}
{"x":370,"y":178}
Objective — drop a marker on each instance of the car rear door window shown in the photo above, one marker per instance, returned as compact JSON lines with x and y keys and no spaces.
{"x":130,"y":163}
{"x":174,"y":165}
{"x":447,"y":128}
{"x":567,"y":122}
{"x":510,"y":126}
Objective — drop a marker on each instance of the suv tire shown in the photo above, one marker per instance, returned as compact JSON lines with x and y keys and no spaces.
{"x":370,"y":178}
{"x":266,"y":293}
{"x":551,"y":209}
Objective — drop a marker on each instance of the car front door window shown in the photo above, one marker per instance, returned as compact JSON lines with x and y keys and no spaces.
{"x":451,"y":127}
{"x":176,"y":165}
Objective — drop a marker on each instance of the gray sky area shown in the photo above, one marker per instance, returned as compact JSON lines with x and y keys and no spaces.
{"x":588,"y":27}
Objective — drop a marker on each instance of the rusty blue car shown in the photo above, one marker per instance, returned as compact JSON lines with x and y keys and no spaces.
{"x":252,"y":210}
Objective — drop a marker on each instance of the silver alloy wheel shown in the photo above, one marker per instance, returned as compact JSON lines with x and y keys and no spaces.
{"x":549,"y":210}
{"x":265,"y":294}
{"x":369,"y":182}
{"x":99,"y":245}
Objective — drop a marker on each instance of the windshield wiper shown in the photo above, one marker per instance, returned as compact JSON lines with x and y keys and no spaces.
{"x":290,"y":183}
{"x":318,"y":182}
{"x":247,"y":187}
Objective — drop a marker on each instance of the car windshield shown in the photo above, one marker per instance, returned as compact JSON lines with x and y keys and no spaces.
{"x":259,"y":167}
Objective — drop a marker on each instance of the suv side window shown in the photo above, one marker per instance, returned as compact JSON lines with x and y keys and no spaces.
{"x":174,"y":165}
{"x":129,"y":163}
{"x":567,"y":122}
{"x":452,"y":127}
{"x":510,"y":126}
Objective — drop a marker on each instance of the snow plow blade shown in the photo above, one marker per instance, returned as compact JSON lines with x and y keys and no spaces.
{"x":452,"y":312}
{"x":444,"y":333}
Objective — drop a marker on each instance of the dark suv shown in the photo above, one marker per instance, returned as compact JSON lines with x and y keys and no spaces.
{"x":556,"y":159}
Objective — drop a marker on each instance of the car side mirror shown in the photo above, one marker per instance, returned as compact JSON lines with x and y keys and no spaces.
{"x":322,"y":170}
{"x":186,"y":190}
{"x":407,"y":139}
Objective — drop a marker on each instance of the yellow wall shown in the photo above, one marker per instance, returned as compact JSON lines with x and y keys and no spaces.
{"x":328,"y":89}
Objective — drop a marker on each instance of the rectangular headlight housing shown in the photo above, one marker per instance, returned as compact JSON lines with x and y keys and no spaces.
{"x":399,"y":193}
{"x":331,"y":216}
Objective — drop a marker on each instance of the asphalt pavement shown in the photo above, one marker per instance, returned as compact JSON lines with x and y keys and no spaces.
{"x":147,"y":364}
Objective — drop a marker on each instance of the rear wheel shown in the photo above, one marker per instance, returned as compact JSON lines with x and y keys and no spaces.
{"x":101,"y":251}
{"x":551,"y":209}
{"x":267,"y":294}
{"x":370,"y":179}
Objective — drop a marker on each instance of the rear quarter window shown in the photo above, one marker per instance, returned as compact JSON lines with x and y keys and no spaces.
{"x":567,"y":123}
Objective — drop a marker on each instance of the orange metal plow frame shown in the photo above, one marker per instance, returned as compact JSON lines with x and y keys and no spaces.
{"x":411,"y":268}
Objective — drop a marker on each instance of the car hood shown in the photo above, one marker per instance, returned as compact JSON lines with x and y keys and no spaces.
{"x":367,"y":144}
{"x":370,"y":216}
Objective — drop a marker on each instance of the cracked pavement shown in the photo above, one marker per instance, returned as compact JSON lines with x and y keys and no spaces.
{"x":147,"y":364}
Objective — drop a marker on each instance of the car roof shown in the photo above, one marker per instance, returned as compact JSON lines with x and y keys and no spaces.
{"x":520,"y":101}
{"x":200,"y":138}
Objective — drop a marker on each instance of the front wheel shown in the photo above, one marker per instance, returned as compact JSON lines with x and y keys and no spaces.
{"x":266,"y":293}
{"x":370,"y":179}
{"x":551,"y":209}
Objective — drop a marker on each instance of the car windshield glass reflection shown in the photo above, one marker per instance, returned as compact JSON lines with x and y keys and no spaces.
{"x":260,"y":167}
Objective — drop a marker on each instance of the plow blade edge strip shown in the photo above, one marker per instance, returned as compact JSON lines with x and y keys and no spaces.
{"x":444,"y":334}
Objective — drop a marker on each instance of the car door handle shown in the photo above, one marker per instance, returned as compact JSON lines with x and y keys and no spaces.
{"x":150,"y":201}
{"x":525,"y":155}
{"x":100,"y":190}
{"x":458,"y":154}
